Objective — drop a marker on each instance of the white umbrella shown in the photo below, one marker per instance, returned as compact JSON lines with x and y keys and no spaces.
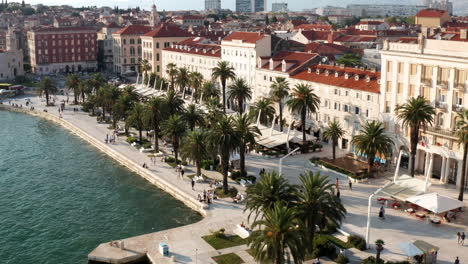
{"x":410,"y":249}
{"x":435,"y":202}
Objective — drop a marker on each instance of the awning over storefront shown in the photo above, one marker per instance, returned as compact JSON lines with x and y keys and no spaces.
{"x":435,"y":202}
{"x":271,"y":139}
{"x":404,"y":188}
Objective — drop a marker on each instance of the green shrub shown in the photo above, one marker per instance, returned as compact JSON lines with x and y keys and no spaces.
{"x":235,"y":175}
{"x":341,"y":259}
{"x":372,"y":260}
{"x":220,"y":233}
{"x":169,"y":159}
{"x":323,"y":247}
{"x":330,"y":228}
{"x":205,"y":164}
{"x":147,"y":145}
{"x":357,"y":242}
{"x":251,"y":178}
{"x":131,"y":139}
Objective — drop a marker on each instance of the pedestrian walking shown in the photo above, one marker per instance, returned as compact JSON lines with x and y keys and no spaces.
{"x":457,"y":261}
{"x":462,"y":238}
{"x":337,"y":184}
{"x":193,"y":187}
{"x":382,"y":213}
{"x":350,"y":185}
{"x":204,"y":195}
{"x":182,"y":171}
{"x":338,"y":193}
{"x":458,"y":237}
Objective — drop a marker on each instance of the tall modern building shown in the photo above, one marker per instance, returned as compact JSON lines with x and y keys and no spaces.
{"x":249,"y":6}
{"x":244,"y":6}
{"x":279,"y":7}
{"x":212,"y":4}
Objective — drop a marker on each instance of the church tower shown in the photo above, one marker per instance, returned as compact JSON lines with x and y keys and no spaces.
{"x":154,"y":19}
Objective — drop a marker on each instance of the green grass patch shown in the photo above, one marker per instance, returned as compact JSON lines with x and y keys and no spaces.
{"x":224,"y":241}
{"x":338,"y":242}
{"x":230,"y":258}
{"x":232,"y":192}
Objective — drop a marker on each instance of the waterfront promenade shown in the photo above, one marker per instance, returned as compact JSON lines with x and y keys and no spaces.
{"x":188,"y":246}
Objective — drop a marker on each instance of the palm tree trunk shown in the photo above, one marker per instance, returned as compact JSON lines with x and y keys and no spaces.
{"x":370,"y":163}
{"x":47,"y":97}
{"x":241,"y":106}
{"x":225,"y":168}
{"x":463,"y":176}
{"x":334,"y":148}
{"x":198,"y":164}
{"x":76,"y":97}
{"x":83,"y":96}
{"x":242,"y":160}
{"x":303,"y":121}
{"x":414,"y":147}
{"x":279,"y":256}
{"x":377,"y":258}
{"x":176,"y":150}
{"x":223,"y":83}
{"x":281,"y":115}
{"x":140,"y":131}
{"x":156,"y":135}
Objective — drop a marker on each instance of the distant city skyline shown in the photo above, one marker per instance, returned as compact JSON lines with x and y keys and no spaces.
{"x":294,"y":5}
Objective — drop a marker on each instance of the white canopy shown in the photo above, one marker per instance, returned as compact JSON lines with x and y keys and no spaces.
{"x":410,"y":249}
{"x":404,"y":187}
{"x":435,"y":202}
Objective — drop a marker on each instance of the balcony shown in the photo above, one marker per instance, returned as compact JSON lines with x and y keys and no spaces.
{"x":460,"y":87}
{"x":439,"y":131}
{"x":426,"y":82}
{"x":442,"y":84}
{"x":458,"y":108}
{"x":441,"y":106}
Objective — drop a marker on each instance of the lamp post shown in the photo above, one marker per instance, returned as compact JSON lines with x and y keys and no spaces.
{"x":369,"y":213}
{"x":281,"y":160}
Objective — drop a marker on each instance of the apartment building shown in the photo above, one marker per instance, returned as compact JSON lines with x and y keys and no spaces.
{"x":128,"y":48}
{"x":432,"y":18}
{"x":62,"y":49}
{"x":196,"y":54}
{"x":106,"y":46}
{"x":436,"y":68}
{"x":11,"y":58}
{"x":242,"y":49}
{"x":154,"y":41}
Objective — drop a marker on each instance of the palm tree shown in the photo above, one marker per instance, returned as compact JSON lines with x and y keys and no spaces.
{"x":136,"y":119}
{"x":174,"y":103}
{"x":303,"y":101}
{"x":372,"y":140}
{"x":269,"y":190}
{"x":73,"y":82}
{"x":114,"y":95}
{"x":214,"y":111}
{"x":334,"y":131}
{"x":145,"y":66}
{"x":209,"y":90}
{"x":129,"y":91}
{"x":183,"y":78}
{"x":47,"y":87}
{"x":97,"y":81}
{"x":194,"y":148}
{"x":155,"y":113}
{"x":279,"y":230}
{"x":225,"y":140}
{"x":223,"y":72}
{"x":462,"y":134}
{"x":415,"y":114}
{"x":317,"y":205}
{"x":246,"y":132}
{"x":379,"y":248}
{"x":174,"y":127}
{"x":280,"y":91}
{"x":196,"y":82}
{"x":172,"y":72}
{"x":92,"y":103}
{"x":239,"y":91}
{"x":193,"y":116}
{"x":266,"y":110}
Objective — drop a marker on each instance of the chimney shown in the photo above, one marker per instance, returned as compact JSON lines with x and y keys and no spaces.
{"x":330,"y":37}
{"x":463,"y":33}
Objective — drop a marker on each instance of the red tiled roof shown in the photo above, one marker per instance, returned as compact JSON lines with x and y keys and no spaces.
{"x":166,"y":30}
{"x":64,"y":29}
{"x":409,"y":40}
{"x":370,"y":23}
{"x":133,"y":30}
{"x":352,"y":38}
{"x":326,"y":48}
{"x":314,"y":27}
{"x":189,"y":17}
{"x":452,"y":36}
{"x":372,"y":86}
{"x":249,"y":37}
{"x":315,"y":35}
{"x":298,"y":60}
{"x":112,"y":25}
{"x":209,"y":50}
{"x":431,"y":13}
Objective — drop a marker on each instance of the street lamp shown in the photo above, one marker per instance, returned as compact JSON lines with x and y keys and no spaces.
{"x":281,"y":160}
{"x":369,"y":213}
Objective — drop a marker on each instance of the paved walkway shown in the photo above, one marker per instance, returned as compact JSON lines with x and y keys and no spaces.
{"x":186,"y":242}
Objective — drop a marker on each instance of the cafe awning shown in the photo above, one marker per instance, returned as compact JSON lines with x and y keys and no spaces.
{"x":435,"y":202}
{"x":404,"y":188}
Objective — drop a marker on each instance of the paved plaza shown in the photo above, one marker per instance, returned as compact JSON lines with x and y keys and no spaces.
{"x":186,"y":241}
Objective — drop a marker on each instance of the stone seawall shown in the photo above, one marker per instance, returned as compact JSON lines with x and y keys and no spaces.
{"x":157,"y":181}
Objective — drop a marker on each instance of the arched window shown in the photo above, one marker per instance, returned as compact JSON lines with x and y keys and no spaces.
{"x":132,"y":41}
{"x":132,"y":51}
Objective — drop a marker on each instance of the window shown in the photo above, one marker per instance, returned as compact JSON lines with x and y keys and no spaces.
{"x":462,"y":76}
{"x":346,"y":93}
{"x":157,"y":56}
{"x":414,"y":69}
{"x":387,"y":107}
{"x":357,"y":110}
{"x":367,"y":112}
{"x":157,"y":45}
{"x":124,"y":41}
{"x":389,"y":86}
{"x":139,"y":41}
{"x":443,"y":75}
{"x":337,"y":106}
{"x":157,"y":68}
{"x":337,"y":92}
{"x":412,"y":90}
{"x":400,"y":88}
{"x":401,"y":67}
{"x":357,"y":126}
{"x":346,"y":108}
{"x":389,"y":66}
{"x":358,"y":95}
{"x":369,"y":97}
{"x":428,"y":72}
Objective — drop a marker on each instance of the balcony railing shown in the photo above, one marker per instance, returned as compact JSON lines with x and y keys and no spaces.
{"x":460,"y":87}
{"x":427,"y":82}
{"x":441,"y":106}
{"x":440,"y":131}
{"x":458,"y":108}
{"x":442,"y":84}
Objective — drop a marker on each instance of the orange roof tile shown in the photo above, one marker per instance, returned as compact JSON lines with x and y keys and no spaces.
{"x":165,"y":30}
{"x":431,"y":13}
{"x":133,"y":30}
{"x":249,"y":37}
{"x":298,"y":59}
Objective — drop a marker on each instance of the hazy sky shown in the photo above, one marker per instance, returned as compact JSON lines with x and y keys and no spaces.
{"x":199,"y":4}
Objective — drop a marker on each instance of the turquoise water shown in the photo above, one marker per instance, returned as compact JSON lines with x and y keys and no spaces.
{"x":60,"y":197}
